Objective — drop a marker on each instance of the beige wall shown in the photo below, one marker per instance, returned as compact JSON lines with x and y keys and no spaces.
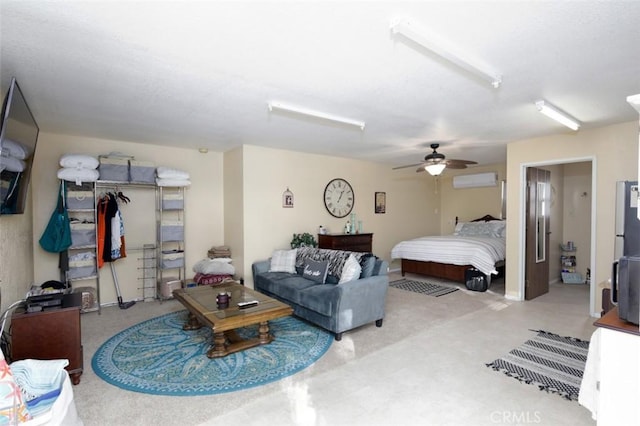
{"x":577,"y":212}
{"x":411,"y":211}
{"x":615,"y":153}
{"x":203,"y":206}
{"x":469,"y":203}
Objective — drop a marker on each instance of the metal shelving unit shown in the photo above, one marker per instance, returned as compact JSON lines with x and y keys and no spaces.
{"x":170,"y":240}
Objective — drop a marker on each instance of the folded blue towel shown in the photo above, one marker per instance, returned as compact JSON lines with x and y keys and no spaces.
{"x":37,"y":377}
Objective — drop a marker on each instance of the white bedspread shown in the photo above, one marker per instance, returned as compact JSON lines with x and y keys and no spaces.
{"x":480,"y":252}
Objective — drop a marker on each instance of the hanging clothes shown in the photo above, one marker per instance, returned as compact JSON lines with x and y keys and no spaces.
{"x":102,"y":223}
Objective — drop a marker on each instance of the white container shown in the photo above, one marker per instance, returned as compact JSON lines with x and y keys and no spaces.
{"x":168,"y":285}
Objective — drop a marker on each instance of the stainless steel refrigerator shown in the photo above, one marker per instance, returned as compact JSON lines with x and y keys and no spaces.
{"x":627,"y":222}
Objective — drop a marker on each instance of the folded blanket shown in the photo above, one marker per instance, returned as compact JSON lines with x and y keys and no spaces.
{"x":168,"y":173}
{"x":79,"y":161}
{"x":172,"y":182}
{"x":78,"y":175}
{"x":214,"y":267}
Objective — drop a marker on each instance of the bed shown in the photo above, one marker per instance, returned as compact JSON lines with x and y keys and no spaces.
{"x":478,"y":244}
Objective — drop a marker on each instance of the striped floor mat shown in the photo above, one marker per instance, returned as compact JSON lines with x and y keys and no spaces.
{"x":430,"y":289}
{"x":551,"y":362}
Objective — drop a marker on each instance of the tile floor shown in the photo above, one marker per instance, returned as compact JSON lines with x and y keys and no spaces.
{"x":424,"y":366}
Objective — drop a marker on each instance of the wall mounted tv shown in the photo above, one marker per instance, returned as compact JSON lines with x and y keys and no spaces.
{"x":18,"y":138}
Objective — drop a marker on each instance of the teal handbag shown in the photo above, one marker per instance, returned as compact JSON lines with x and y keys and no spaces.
{"x":56,"y":237}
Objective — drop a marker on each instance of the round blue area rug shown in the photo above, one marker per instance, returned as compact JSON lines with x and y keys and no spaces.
{"x":158,"y":357}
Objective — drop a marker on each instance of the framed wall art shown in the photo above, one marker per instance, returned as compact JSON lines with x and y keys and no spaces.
{"x":287,"y":199}
{"x":380,"y":202}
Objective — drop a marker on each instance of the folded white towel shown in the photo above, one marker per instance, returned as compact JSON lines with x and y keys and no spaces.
{"x":78,"y":175}
{"x":15,"y":149}
{"x":37,"y":377}
{"x":79,"y":161}
{"x":172,"y":182}
{"x":12,"y":164}
{"x":169,"y":173}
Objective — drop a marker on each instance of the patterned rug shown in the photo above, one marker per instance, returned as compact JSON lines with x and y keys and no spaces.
{"x":551,"y":362}
{"x":158,"y":357}
{"x":430,"y":289}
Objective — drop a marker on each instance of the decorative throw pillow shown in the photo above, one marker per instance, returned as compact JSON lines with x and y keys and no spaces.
{"x":283,"y":261}
{"x":12,"y":408}
{"x":351,"y":270}
{"x":315,"y":271}
{"x":367,"y":266}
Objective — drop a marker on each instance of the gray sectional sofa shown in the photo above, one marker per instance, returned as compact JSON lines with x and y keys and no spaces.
{"x":332,"y":306}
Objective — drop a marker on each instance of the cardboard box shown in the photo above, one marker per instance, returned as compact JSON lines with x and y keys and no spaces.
{"x":168,"y":285}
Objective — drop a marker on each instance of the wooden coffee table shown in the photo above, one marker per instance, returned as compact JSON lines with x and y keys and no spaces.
{"x":203,"y":311}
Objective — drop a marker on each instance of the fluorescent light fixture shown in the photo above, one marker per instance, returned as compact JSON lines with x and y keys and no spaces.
{"x":317,"y":114}
{"x":435,"y":169}
{"x":560,"y":116}
{"x":438,"y":46}
{"x":634,"y":101}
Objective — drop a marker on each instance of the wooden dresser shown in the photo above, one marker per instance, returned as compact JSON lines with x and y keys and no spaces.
{"x":49,"y":334}
{"x":349,"y":242}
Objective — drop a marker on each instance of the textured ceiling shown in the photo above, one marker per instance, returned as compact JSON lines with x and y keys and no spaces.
{"x":200,"y":74}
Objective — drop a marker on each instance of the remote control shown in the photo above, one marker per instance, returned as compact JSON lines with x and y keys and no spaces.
{"x":244,"y":305}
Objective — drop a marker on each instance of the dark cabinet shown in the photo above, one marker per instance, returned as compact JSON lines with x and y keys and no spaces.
{"x":49,"y":334}
{"x":349,"y":242}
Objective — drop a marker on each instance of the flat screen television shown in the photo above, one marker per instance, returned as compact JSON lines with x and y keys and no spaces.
{"x":18,"y":138}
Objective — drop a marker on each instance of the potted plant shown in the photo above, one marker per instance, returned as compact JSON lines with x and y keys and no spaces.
{"x":303,"y":240}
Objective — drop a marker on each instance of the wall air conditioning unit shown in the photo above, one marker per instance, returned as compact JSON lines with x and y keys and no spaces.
{"x":477,"y":180}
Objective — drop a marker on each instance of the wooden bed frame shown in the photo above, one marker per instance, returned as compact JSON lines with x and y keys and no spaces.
{"x":442,"y":270}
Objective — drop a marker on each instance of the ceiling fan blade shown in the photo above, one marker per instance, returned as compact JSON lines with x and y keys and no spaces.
{"x":420,"y":169}
{"x":456,"y":166}
{"x":461,"y":161}
{"x":408,"y":165}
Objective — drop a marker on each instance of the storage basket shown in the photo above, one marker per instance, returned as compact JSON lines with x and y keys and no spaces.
{"x":171,"y":231}
{"x":81,"y":269}
{"x":172,"y":202}
{"x":114,"y":168}
{"x":142,"y":171}
{"x":79,"y":200}
{"x":172,"y":259}
{"x":83,"y":234}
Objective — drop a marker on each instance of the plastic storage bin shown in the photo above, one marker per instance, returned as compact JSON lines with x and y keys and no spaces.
{"x":83,"y":234}
{"x":142,"y":171}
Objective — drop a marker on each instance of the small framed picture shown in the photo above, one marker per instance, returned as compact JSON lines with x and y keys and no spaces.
{"x":380,"y":202}
{"x":287,"y":199}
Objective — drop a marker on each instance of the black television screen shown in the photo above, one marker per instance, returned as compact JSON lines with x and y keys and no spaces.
{"x":18,"y":138}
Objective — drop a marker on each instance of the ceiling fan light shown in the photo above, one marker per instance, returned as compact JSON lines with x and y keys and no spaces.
{"x":560,"y":116}
{"x":435,"y":169}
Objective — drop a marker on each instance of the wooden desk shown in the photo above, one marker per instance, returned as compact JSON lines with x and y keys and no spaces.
{"x":50,"y":334}
{"x":348,"y":242}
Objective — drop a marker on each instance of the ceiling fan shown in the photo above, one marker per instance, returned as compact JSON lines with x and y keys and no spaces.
{"x":435,"y":163}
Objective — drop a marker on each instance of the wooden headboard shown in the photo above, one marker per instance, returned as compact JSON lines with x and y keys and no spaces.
{"x":485,"y":218}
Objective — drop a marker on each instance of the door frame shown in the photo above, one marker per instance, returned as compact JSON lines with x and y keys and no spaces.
{"x":522,"y":224}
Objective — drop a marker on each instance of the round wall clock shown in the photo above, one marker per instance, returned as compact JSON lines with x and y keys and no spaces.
{"x":338,"y":197}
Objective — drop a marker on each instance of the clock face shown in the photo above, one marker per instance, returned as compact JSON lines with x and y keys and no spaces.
{"x":338,"y":197}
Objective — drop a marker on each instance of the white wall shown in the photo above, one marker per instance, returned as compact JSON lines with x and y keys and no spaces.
{"x":411,"y":208}
{"x":615,"y":150}
{"x":203,"y":206}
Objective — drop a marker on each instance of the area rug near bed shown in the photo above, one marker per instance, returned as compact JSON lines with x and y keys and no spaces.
{"x":158,"y":357}
{"x":430,"y":289}
{"x":552,"y":363}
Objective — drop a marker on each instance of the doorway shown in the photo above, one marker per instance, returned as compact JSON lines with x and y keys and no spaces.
{"x":571,"y":200}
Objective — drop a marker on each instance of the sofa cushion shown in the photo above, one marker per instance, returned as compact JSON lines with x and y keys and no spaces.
{"x":351,"y":270}
{"x":283,"y":261}
{"x":315,"y":271}
{"x":286,"y":286}
{"x":367,"y":264}
{"x":320,"y":298}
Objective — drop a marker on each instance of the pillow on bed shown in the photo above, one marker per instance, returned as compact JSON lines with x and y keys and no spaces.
{"x":482,"y":229}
